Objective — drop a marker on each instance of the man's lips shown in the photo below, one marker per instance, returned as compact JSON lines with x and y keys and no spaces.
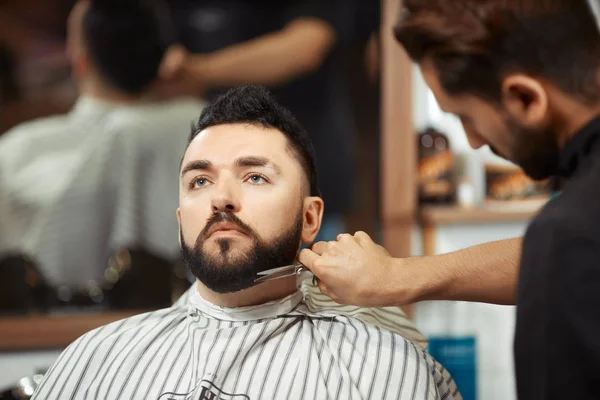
{"x":225,"y":228}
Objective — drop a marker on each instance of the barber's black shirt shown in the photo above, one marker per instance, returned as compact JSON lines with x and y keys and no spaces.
{"x":557,"y":341}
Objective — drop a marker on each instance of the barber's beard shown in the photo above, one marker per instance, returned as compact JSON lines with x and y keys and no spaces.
{"x":230,"y":270}
{"x":536,"y":152}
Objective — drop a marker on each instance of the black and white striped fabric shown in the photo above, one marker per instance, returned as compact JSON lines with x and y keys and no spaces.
{"x":392,"y":319}
{"x":75,"y":188}
{"x":278,"y":350}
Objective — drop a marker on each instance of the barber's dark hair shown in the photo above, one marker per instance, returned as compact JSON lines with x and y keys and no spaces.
{"x":9,"y":90}
{"x":126,"y":40}
{"x":473,"y":44}
{"x":256,"y":105}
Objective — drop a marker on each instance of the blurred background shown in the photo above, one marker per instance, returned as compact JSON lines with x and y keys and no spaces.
{"x":391,"y":164}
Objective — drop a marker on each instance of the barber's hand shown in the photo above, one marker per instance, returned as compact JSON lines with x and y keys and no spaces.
{"x":175,"y":76}
{"x":355,"y":270}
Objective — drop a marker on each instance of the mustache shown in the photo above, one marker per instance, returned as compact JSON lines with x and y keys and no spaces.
{"x":225,"y":216}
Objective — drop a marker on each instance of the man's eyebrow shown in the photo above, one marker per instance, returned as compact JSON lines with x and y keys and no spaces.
{"x":195,"y":166}
{"x":256,"y":161}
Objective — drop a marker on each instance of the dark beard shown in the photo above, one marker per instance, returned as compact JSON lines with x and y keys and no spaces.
{"x":226,"y":272}
{"x":536,"y":152}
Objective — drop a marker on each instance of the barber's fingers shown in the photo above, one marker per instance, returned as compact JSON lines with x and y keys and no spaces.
{"x":359,"y":237}
{"x":363,"y":239}
{"x":325,"y":290}
{"x":310,"y":259}
{"x":173,"y":61}
{"x":320,"y":247}
{"x":343,"y":237}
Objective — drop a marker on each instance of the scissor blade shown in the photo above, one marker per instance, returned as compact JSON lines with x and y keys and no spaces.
{"x":273,"y":277}
{"x":279,"y":272}
{"x":279,"y":269}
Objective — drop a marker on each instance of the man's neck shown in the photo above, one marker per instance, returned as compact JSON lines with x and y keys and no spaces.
{"x":259,"y":294}
{"x":94,"y":88}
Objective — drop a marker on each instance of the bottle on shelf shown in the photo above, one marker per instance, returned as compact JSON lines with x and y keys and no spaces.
{"x":436,"y":177}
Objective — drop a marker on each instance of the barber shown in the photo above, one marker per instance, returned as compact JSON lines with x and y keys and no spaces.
{"x":523,"y":77}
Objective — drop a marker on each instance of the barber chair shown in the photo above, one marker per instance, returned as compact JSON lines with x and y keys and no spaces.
{"x":22,"y":286}
{"x":138,"y":279}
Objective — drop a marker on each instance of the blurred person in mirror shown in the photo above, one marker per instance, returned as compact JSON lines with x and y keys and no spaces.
{"x":523,"y":77}
{"x":248,"y":198}
{"x":107,"y":164}
{"x":296,"y":48}
{"x":32,"y":39}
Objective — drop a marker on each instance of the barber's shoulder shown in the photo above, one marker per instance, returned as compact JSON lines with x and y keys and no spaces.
{"x":572,"y":212}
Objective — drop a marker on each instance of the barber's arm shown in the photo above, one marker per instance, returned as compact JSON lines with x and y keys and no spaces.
{"x":355,"y":270}
{"x":299,"y":48}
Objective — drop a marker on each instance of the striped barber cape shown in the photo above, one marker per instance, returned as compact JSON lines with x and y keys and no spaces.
{"x":298,"y":347}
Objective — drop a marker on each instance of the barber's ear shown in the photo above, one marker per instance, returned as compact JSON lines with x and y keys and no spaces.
{"x":312,"y":217}
{"x":525,"y":99}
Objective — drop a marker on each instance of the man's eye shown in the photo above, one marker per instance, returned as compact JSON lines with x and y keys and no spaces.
{"x":199,"y":182}
{"x":257,"y":179}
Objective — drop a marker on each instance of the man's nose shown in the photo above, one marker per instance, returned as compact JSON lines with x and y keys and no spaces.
{"x":225,"y":197}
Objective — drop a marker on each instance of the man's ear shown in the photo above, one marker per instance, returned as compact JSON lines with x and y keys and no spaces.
{"x":312,"y":216}
{"x":525,"y":99}
{"x":76,"y":51}
{"x":80,"y":63}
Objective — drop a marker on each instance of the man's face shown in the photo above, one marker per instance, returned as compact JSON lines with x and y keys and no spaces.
{"x":534,"y":148}
{"x":242,"y":198}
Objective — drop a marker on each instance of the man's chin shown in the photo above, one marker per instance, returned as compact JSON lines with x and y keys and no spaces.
{"x":229,"y":286}
{"x":230,"y":257}
{"x":226,"y":242}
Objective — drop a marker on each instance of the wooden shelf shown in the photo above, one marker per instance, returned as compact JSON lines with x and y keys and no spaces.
{"x":54,"y":331}
{"x":491,"y":212}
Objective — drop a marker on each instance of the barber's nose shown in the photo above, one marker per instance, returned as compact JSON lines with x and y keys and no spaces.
{"x":225,"y":197}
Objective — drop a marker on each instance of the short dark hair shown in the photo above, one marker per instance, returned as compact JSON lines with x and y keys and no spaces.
{"x":256,"y":105}
{"x":126,"y":41}
{"x":473,"y":44}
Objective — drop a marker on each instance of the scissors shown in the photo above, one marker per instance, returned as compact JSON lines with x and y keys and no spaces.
{"x":281,"y":272}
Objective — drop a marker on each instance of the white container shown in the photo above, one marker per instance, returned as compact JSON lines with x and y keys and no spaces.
{"x":471,"y":171}
{"x":465,"y":193}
